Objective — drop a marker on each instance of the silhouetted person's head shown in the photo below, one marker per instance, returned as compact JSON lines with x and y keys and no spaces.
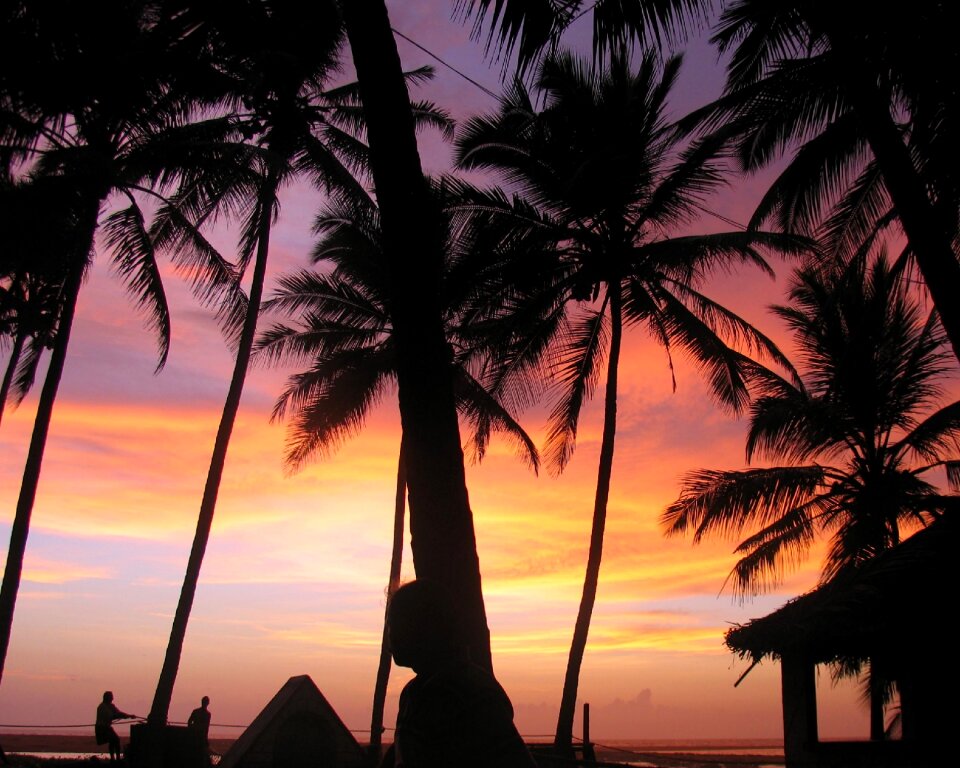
{"x":204,"y":701}
{"x":108,"y":696}
{"x":424,"y":626}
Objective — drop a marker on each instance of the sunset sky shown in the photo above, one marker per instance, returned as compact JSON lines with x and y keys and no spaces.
{"x":294,"y":576}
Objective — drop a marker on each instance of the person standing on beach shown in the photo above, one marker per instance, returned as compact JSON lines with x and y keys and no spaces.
{"x":199,"y":723}
{"x":453,"y":712}
{"x":103,"y":729}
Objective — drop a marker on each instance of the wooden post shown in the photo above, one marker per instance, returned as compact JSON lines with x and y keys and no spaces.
{"x":589,"y":756}
{"x":799,"y":689}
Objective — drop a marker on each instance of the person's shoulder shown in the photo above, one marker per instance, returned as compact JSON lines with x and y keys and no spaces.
{"x":464,"y":690}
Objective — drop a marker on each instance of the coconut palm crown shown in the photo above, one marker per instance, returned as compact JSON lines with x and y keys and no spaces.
{"x":343,"y":331}
{"x":855,"y":437}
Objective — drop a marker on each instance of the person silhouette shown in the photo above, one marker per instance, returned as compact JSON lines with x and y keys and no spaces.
{"x":199,"y":723}
{"x":453,"y":712}
{"x":107,"y":712}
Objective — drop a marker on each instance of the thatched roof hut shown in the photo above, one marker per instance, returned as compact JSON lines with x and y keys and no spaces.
{"x":895,"y":613}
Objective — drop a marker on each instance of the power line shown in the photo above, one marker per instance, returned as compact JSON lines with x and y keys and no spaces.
{"x":493,"y":95}
{"x":449,"y":66}
{"x":724,"y":219}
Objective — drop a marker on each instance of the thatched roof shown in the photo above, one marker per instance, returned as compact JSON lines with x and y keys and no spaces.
{"x":886,"y":608}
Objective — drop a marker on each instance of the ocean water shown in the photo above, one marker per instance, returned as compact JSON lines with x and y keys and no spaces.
{"x":643,"y":753}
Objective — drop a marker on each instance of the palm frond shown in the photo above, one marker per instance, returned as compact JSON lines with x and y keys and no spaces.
{"x":134,"y":259}
{"x":728,"y":502}
{"x":213,"y":280}
{"x":25,"y":372}
{"x":819,"y":174}
{"x":485,"y":413}
{"x":722,"y":366}
{"x":936,"y":435}
{"x":575,"y":374}
{"x":861,"y":216}
{"x":760,"y":35}
{"x":953,"y":475}
{"x":330,"y":403}
{"x":778,"y":548}
{"x":530,"y":27}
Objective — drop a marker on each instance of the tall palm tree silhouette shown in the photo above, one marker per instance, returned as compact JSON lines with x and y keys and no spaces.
{"x":344,"y":333}
{"x":604,"y":182}
{"x":276,"y":59}
{"x":90,"y":139}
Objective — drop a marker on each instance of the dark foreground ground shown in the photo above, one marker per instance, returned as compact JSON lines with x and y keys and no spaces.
{"x":56,"y":743}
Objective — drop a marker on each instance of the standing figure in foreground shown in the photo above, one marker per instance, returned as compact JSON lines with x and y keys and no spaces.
{"x":199,"y":724}
{"x":103,"y":729}
{"x":453,"y":712}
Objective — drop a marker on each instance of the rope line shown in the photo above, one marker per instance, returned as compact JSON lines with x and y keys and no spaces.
{"x":141,"y":720}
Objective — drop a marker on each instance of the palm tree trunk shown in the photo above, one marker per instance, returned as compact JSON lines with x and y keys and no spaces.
{"x":928,"y":237}
{"x":441,"y":522}
{"x":568,"y":701}
{"x":171,"y":663}
{"x":38,"y":440}
{"x":396,"y":559}
{"x":15,"y":353}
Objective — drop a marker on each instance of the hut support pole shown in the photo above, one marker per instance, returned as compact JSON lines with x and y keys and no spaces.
{"x":799,"y":688}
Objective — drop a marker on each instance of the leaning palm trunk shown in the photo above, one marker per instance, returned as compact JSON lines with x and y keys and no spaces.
{"x":396,"y":559}
{"x":441,"y":522}
{"x":38,"y":440}
{"x":568,"y":701}
{"x":929,"y":240}
{"x":171,"y":663}
{"x":15,"y":353}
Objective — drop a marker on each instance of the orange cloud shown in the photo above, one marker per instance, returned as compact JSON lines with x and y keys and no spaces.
{"x":43,"y":571}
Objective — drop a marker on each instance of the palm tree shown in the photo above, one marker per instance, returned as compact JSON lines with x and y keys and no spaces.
{"x":28,"y":314}
{"x":604,"y":181}
{"x":80,"y":139}
{"x":344,"y":333}
{"x":439,"y":508}
{"x":855,"y":435}
{"x":849,"y":86}
{"x":276,"y":60}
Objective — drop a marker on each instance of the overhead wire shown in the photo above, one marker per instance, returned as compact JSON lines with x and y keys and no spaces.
{"x":494,"y":95}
